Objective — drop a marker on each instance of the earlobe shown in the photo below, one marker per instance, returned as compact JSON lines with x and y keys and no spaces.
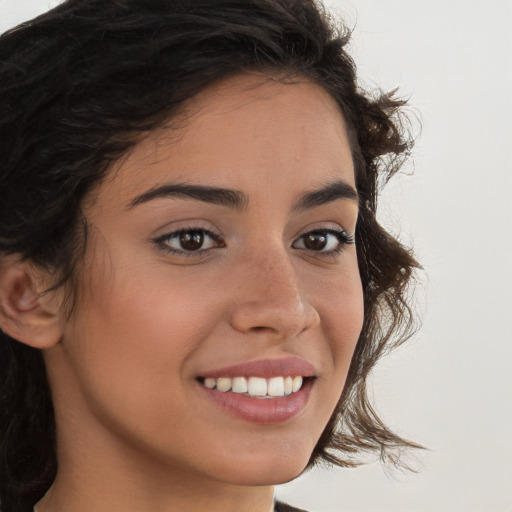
{"x":27,"y":314}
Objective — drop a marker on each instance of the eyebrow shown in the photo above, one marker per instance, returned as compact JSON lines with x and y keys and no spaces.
{"x":220,"y":196}
{"x":239,"y":200}
{"x":331,"y":192}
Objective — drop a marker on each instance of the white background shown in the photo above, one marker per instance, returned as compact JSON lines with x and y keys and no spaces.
{"x":450,"y":387}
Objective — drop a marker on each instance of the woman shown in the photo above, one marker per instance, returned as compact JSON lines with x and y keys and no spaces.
{"x":193,"y":284}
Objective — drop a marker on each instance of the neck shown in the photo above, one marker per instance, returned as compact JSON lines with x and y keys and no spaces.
{"x":112,"y":478}
{"x":66,"y":496}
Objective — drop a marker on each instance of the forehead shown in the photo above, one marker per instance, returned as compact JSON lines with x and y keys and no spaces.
{"x":240,"y":133}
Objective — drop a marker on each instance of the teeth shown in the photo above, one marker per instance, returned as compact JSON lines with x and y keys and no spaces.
{"x":239,"y":385}
{"x":256,"y":386}
{"x":210,"y":383}
{"x":288,"y":386}
{"x":276,"y":386}
{"x":224,"y":384}
{"x":297,"y":384}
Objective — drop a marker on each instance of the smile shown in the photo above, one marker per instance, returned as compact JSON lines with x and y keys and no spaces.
{"x":266,"y":391}
{"x":257,"y":387}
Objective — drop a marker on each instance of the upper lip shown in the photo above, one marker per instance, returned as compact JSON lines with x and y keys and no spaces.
{"x":265,"y":368}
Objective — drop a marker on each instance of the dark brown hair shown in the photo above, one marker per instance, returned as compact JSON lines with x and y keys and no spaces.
{"x":78,"y":87}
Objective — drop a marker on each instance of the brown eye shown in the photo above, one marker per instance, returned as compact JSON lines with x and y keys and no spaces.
{"x":191,"y":240}
{"x":323,"y":241}
{"x":315,"y":241}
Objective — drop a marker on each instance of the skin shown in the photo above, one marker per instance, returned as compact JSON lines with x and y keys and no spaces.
{"x":134,"y":432}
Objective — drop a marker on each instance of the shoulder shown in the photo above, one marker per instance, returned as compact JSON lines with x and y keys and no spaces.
{"x":283,"y":507}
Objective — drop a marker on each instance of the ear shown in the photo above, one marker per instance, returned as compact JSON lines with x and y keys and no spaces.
{"x":26,"y":313}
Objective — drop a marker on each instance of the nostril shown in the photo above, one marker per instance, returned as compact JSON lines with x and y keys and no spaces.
{"x":284,"y":318}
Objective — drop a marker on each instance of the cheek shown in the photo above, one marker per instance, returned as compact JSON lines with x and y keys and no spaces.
{"x":132,"y":339}
{"x":151,"y":316}
{"x":343,"y":333}
{"x":341,"y":306}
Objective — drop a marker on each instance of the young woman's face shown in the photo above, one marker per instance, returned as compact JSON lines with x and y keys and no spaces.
{"x":220,"y":254}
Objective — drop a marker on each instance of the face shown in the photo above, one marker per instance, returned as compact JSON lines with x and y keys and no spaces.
{"x":220,"y":256}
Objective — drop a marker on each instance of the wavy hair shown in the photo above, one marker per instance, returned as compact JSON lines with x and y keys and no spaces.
{"x":81,"y":84}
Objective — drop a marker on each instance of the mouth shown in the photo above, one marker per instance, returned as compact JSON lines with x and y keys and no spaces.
{"x":256,"y":387}
{"x":265,"y":392}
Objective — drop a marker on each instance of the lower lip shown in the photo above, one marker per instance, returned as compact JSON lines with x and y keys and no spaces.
{"x":265,"y":411}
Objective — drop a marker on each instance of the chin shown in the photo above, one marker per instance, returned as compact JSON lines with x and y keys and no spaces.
{"x":268,"y":467}
{"x":266,"y":476}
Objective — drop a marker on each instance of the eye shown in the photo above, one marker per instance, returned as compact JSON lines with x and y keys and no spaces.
{"x":326,"y":241}
{"x":189,"y":241}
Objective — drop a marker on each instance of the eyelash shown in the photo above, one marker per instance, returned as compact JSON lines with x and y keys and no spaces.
{"x":162,"y":242}
{"x":342,"y":237}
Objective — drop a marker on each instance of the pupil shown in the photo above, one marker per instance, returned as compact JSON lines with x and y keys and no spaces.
{"x":315,"y":241}
{"x":192,"y":240}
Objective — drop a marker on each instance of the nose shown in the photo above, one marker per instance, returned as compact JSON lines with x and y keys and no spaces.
{"x":270,"y":298}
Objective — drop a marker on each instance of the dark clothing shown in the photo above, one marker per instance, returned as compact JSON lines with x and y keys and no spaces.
{"x":283,"y":507}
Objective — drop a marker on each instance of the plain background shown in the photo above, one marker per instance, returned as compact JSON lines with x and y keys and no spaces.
{"x":450,"y":387}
